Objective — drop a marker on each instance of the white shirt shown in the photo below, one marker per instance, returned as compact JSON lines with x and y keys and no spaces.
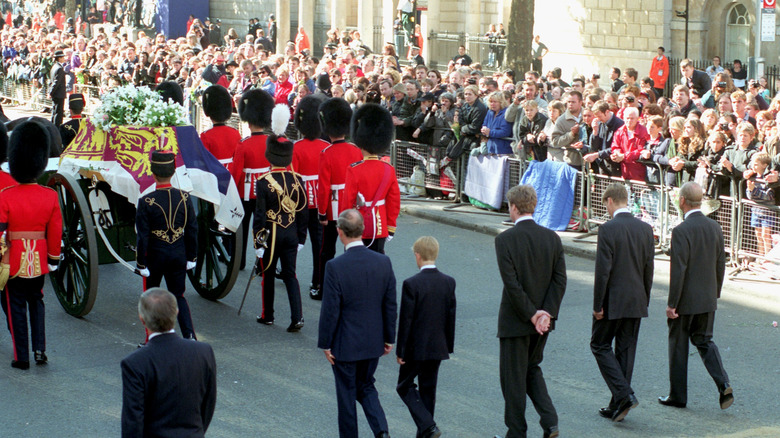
{"x":524,"y":218}
{"x":353,"y":244}
{"x":692,"y":211}
{"x":428,"y":267}
{"x":151,"y":335}
{"x":621,"y":210}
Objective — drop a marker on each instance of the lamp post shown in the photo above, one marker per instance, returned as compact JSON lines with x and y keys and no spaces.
{"x":684,"y":14}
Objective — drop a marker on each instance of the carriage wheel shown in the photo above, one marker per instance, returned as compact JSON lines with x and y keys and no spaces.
{"x":75,"y":281}
{"x":219,"y":255}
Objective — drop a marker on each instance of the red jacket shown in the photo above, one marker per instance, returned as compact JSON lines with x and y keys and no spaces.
{"x":631,"y":148}
{"x":380,"y":209}
{"x":334,"y":161}
{"x":306,"y":162}
{"x":659,"y":71}
{"x":31,"y":208}
{"x":282,"y":92}
{"x":221,"y":141}
{"x":249,"y":163}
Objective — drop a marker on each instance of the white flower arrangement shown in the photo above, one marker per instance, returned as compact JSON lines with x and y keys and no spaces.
{"x":137,"y":106}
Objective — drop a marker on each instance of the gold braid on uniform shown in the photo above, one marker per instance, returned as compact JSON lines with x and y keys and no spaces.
{"x":289,"y":199}
{"x":175,"y":233}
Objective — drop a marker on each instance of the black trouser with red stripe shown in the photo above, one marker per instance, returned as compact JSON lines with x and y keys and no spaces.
{"x":23,"y":295}
{"x":282,"y":246}
{"x":249,"y":208}
{"x":315,"y":237}
{"x":175,"y":274}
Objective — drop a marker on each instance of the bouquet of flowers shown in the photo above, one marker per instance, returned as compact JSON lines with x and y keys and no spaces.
{"x":137,"y":106}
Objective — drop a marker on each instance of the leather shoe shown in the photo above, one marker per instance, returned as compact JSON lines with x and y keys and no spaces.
{"x":20,"y":364}
{"x":383,"y":435}
{"x":40,"y":358}
{"x":265,"y":321}
{"x":726,"y":396}
{"x":315,"y":294}
{"x":667,"y":401}
{"x":607,"y":412}
{"x":552,"y":432}
{"x":431,"y":432}
{"x":624,"y":406}
{"x":295,"y":326}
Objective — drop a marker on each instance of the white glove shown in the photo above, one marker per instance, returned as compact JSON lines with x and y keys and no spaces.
{"x":388,"y":238}
{"x":53,"y":268}
{"x":259,"y":252}
{"x":191,"y":265}
{"x":144,"y":272}
{"x":300,"y":247}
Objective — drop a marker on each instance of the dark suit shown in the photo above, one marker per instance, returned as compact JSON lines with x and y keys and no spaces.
{"x":426,"y":336}
{"x":698,"y":264}
{"x":357,"y":319}
{"x":623,"y":280}
{"x":57,"y":92}
{"x":533,"y":269}
{"x":169,"y":388}
{"x":699,"y":81}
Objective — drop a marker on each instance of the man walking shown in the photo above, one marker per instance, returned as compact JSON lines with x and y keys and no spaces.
{"x":169,"y":388}
{"x":426,"y":334}
{"x":698,"y":263}
{"x":57,"y":90}
{"x":357,"y":324}
{"x":621,"y":294}
{"x":533,"y":269}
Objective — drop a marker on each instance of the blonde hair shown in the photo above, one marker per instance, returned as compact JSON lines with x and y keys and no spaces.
{"x":427,"y":247}
{"x":498,"y":96}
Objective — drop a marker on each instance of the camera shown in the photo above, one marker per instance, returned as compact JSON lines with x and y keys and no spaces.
{"x":722,"y":84}
{"x":471,"y":81}
{"x":596,"y":76}
{"x":630,"y":99}
{"x":724,"y":126}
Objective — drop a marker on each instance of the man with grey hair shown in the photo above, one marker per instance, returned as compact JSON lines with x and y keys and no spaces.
{"x":357,"y":324}
{"x":698,"y":264}
{"x":169,"y":387}
{"x":533,"y":269}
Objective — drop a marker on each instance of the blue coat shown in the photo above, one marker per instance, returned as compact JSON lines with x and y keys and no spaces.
{"x":500,"y":138}
{"x":358,"y":310}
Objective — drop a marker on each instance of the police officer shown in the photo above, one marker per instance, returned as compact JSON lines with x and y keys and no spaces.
{"x":69,"y":129}
{"x":280,"y":228}
{"x":167,"y":236}
{"x":31,"y":219}
{"x":57,"y":90}
{"x":371,"y":186}
{"x":221,"y":140}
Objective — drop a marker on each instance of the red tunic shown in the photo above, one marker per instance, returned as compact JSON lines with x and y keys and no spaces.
{"x":221,"y":141}
{"x":6,"y":180}
{"x":31,"y":208}
{"x":380,"y":210}
{"x":249,"y":163}
{"x":306,"y":162}
{"x":334,"y":161}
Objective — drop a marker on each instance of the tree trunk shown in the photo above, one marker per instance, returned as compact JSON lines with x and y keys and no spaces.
{"x":520,"y":34}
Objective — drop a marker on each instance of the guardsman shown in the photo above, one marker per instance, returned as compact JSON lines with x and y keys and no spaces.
{"x":69,"y":129}
{"x":280,"y":225}
{"x":221,"y":140}
{"x":249,"y":162}
{"x":335,"y":115}
{"x":167,"y":236}
{"x":31,"y":219}
{"x":306,"y":161}
{"x":6,"y":180}
{"x":371,"y":185}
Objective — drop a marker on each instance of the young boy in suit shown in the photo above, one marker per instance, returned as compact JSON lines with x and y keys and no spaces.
{"x":426,"y":334}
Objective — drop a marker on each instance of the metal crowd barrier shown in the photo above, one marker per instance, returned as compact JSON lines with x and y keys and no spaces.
{"x":757,"y":241}
{"x":418,"y":166}
{"x":91,"y":96}
{"x":36,"y":97}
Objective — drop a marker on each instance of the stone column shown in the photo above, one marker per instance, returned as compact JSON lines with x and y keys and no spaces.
{"x":430,"y":22}
{"x":338,"y":14}
{"x":388,"y":17}
{"x":306,"y":18}
{"x":365,"y":22}
{"x":282,"y":24}
{"x":473,"y":18}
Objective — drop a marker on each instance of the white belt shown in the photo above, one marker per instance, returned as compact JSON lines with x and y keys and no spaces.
{"x":309,"y":177}
{"x":256,"y":171}
{"x":378,"y":203}
{"x":249,"y":180}
{"x":226,"y":161}
{"x":337,"y":186}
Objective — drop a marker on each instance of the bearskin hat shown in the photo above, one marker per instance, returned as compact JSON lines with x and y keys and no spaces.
{"x":163,"y":164}
{"x":372,"y":128}
{"x":3,"y":143}
{"x":307,"y":119}
{"x":76,"y":103}
{"x":278,"y":151}
{"x":335,"y":115}
{"x":217,"y":104}
{"x":170,"y":90}
{"x":255,"y":108}
{"x":28,"y":151}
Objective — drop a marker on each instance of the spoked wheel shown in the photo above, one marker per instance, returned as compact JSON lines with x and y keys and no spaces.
{"x":219,"y":255}
{"x":75,"y":281}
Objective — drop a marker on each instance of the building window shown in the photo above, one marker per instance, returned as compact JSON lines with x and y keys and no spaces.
{"x":739,"y":15}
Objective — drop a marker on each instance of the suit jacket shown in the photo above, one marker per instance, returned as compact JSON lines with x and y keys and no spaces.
{"x":426,"y":327}
{"x":533,"y":269}
{"x":358,"y":310}
{"x":624,"y":268}
{"x":700,"y":81}
{"x":698,"y":264}
{"x":57,"y":89}
{"x":169,"y":388}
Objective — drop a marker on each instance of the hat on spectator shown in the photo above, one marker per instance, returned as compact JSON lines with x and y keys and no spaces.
{"x":170,"y":90}
{"x":28,"y":151}
{"x":399,"y":88}
{"x":231,"y":64}
{"x":335,"y":115}
{"x":116,"y":28}
{"x":323,"y":82}
{"x":217,"y":104}
{"x":76,"y":102}
{"x":306,"y":120}
{"x":427,"y":97}
{"x":59,"y":54}
{"x":255,"y":107}
{"x":372,"y":128}
{"x":415,"y":48}
{"x":218,"y":20}
{"x":331,"y":46}
{"x":163,"y":163}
